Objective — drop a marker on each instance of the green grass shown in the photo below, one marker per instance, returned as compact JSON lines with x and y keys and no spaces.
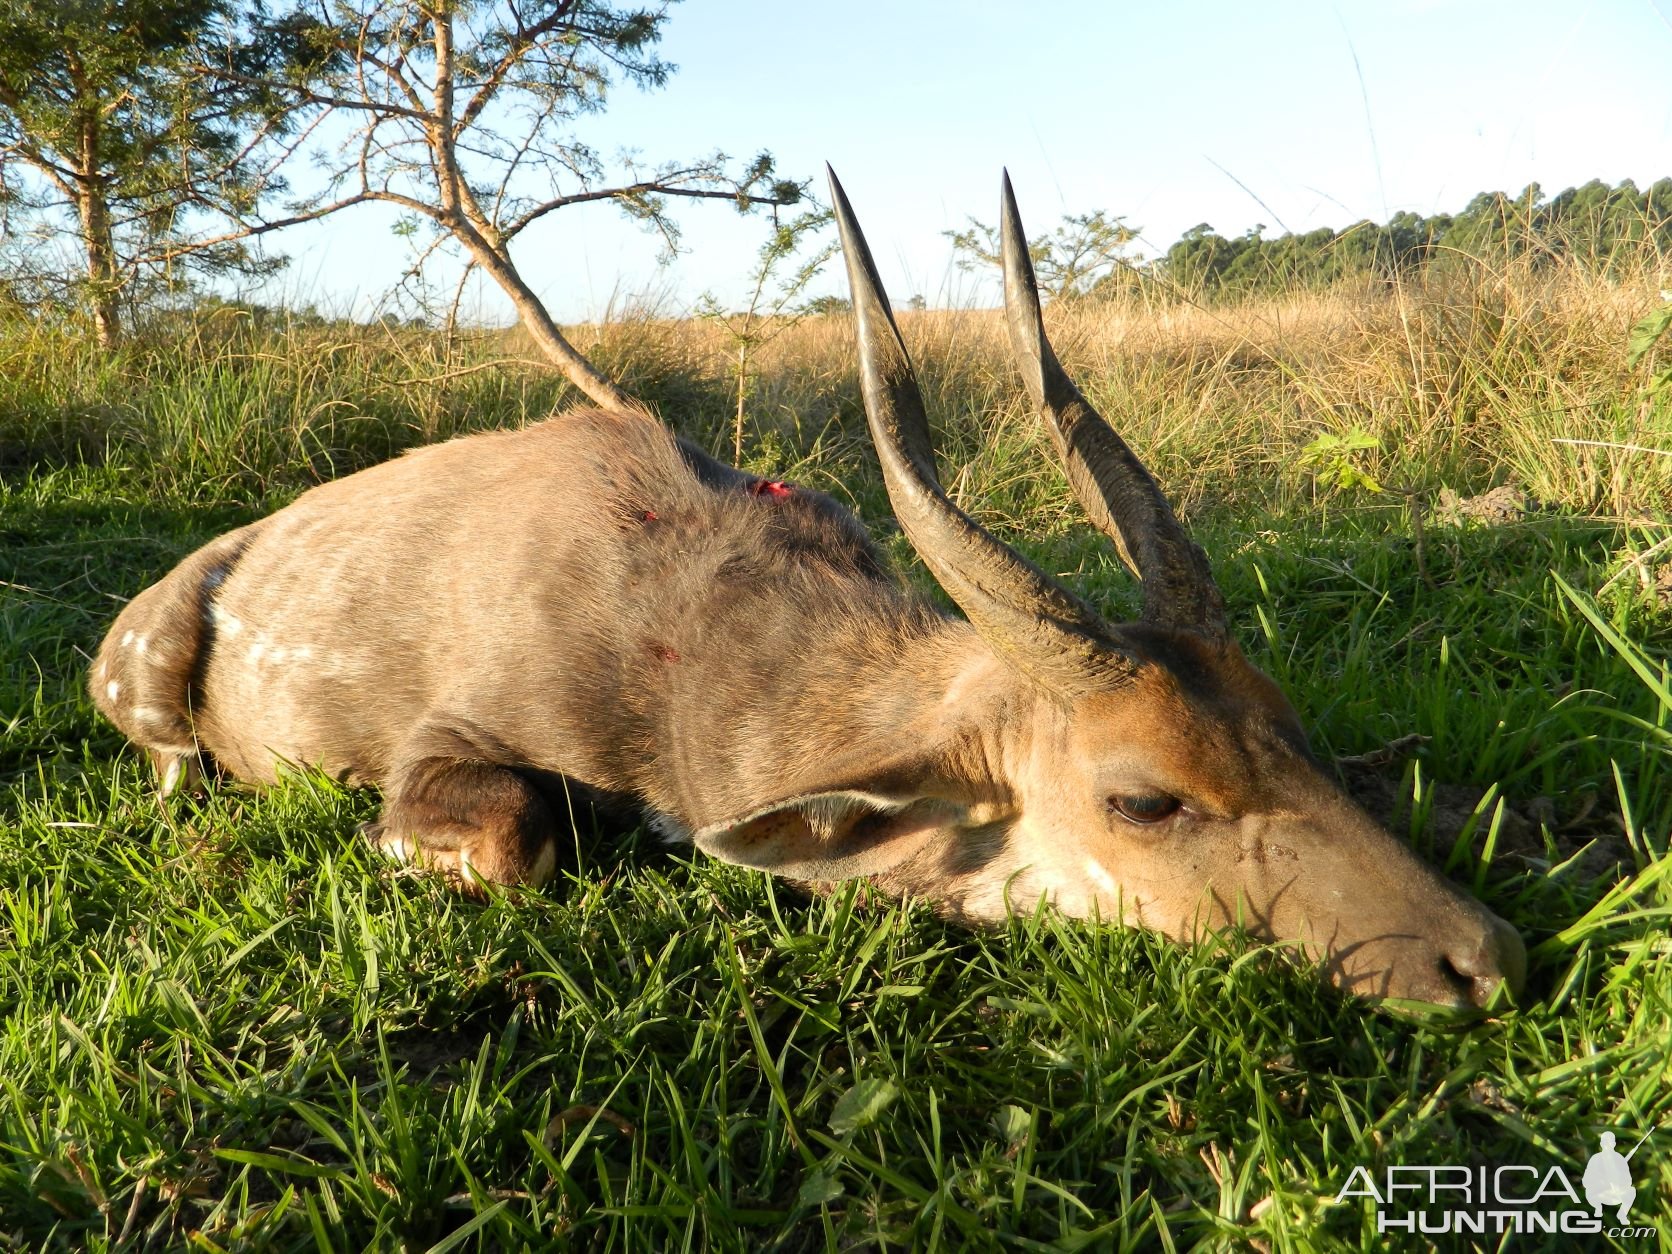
{"x":227,"y":1024}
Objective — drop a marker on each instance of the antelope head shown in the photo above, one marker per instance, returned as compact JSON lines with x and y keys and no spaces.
{"x":1143,"y":771}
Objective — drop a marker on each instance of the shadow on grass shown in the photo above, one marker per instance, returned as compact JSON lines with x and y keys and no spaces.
{"x":66,"y":569}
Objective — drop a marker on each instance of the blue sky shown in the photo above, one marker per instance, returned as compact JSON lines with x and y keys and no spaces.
{"x":1296,"y":115}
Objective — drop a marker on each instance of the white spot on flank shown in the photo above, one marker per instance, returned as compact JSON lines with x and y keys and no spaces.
{"x":225,"y":623}
{"x":148,"y":714}
{"x":1101,"y":878}
{"x":276,"y":654}
{"x":140,"y":644}
{"x":127,"y":639}
{"x":112,"y":688}
{"x":256,"y":650}
{"x":668,"y":828}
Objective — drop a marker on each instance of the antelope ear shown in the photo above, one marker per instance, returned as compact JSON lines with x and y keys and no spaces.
{"x":829,"y":835}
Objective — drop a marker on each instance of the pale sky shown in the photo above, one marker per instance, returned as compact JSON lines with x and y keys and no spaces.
{"x":1168,"y":114}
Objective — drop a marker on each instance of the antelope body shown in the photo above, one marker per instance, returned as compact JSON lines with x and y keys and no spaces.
{"x":591,"y":609}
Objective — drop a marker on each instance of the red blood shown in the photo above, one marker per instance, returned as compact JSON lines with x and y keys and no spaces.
{"x":649,"y":515}
{"x":664,"y":652}
{"x":774,"y":488}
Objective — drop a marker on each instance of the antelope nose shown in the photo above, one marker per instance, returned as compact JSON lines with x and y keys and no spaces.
{"x":1479,"y":965}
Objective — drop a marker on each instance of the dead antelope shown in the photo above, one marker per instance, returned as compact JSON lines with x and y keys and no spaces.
{"x":592,"y":606}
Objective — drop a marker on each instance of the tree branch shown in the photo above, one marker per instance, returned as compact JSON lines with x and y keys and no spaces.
{"x":59,"y":176}
{"x":250,"y":230}
{"x":308,"y":96}
{"x":647,"y":188}
{"x":525,"y":38}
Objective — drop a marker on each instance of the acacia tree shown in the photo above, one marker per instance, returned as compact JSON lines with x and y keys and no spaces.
{"x":107,"y":138}
{"x":782,"y":272}
{"x":1068,"y":261}
{"x":462,"y":113}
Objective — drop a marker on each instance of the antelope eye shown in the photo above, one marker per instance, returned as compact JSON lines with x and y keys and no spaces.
{"x":1144,"y":807}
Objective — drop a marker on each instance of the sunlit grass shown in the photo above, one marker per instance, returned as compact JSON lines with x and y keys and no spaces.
{"x":226,"y":1023}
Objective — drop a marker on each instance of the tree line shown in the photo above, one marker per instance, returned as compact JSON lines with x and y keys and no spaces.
{"x":1087,"y":256}
{"x":1598,"y":225}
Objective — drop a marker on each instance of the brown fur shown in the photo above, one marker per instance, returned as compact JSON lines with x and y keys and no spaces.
{"x":589,"y":607}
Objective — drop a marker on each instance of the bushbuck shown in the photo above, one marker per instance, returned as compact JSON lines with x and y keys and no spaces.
{"x":592,"y":607}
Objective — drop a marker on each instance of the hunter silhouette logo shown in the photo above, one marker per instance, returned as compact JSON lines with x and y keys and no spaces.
{"x":1608,"y":1177}
{"x":1504,"y":1199}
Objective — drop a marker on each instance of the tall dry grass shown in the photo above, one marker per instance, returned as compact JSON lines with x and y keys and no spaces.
{"x":1469,"y":380}
{"x":1466,"y":380}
